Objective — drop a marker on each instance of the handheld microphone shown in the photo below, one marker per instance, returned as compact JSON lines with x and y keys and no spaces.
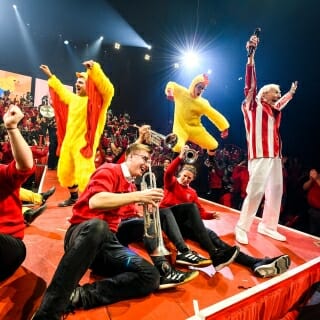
{"x":252,"y":48}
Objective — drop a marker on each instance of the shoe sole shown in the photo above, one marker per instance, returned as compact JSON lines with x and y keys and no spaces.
{"x":62,"y":205}
{"x":224,"y":264}
{"x":202,"y":264}
{"x":272,"y":269}
{"x":193,"y":275}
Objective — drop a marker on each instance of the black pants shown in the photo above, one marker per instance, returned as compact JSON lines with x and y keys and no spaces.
{"x":91,"y":244}
{"x":133,"y":230}
{"x":184,"y":221}
{"x":12,"y":254}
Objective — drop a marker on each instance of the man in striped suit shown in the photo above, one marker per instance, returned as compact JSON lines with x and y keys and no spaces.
{"x":262,"y":116}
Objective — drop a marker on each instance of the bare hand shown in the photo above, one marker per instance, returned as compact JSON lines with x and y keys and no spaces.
{"x":183,"y":151}
{"x":46,"y":70}
{"x":144,"y":134}
{"x":253,"y":42}
{"x":152,"y":196}
{"x":88,"y":64}
{"x":12,"y":117}
{"x":224,"y":134}
{"x":294,"y":87}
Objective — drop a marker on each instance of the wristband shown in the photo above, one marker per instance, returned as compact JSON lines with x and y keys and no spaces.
{"x":11,"y":128}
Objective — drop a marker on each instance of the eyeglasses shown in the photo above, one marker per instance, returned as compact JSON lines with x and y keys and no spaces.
{"x":144,"y":158}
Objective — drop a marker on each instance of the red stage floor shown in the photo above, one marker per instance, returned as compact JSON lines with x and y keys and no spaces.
{"x":218,"y":295}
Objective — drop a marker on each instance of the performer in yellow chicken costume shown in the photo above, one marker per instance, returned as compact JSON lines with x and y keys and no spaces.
{"x":80,"y":118}
{"x":189,"y":108}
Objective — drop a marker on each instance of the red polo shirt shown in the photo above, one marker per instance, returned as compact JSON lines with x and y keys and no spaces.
{"x":11,"y":218}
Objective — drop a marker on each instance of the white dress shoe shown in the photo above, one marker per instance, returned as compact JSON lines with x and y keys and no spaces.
{"x":270,"y":233}
{"x":241,"y":235}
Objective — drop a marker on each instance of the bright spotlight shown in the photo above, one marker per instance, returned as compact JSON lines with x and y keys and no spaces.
{"x":190,"y":59}
{"x":66,"y":42}
{"x":176,"y":65}
{"x":117,"y":45}
{"x":149,"y":46}
{"x":147,"y":57}
{"x":101,"y":38}
{"x":14,"y":7}
{"x":209,"y":71}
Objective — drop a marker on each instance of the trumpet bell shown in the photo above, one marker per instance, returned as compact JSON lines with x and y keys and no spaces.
{"x":160,"y":251}
{"x":190,"y":156}
{"x":171,"y":140}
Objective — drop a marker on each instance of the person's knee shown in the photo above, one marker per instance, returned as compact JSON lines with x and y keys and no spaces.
{"x":96,"y":230}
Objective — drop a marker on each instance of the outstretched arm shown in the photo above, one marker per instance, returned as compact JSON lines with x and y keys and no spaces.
{"x":20,"y":149}
{"x":45,"y":69}
{"x":283,"y":101}
{"x":250,"y":89}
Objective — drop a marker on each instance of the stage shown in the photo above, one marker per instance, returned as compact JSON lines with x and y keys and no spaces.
{"x":232,"y":293}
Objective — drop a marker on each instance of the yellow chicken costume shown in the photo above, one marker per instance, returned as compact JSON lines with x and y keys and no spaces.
{"x":189,"y":108}
{"x":80,"y":123}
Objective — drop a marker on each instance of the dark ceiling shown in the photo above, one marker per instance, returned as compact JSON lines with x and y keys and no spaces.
{"x":288,"y":51}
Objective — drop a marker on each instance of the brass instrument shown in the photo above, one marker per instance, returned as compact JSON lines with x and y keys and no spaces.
{"x":170,"y":141}
{"x":47,"y":111}
{"x":156,"y":138}
{"x":151,"y":216}
{"x":190,"y":156}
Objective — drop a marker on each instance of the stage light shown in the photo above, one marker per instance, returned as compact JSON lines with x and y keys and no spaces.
{"x":147,"y":57}
{"x":66,"y":42}
{"x":176,"y":65}
{"x":209,"y":71}
{"x":117,"y":45}
{"x":190,"y":59}
{"x":101,"y":38}
{"x":14,"y":7}
{"x":149,"y":46}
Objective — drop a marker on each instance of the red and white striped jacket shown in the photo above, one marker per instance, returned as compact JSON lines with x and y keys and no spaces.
{"x":261,"y":120}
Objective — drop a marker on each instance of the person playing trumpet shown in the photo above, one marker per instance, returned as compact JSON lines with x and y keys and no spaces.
{"x":91,"y":242}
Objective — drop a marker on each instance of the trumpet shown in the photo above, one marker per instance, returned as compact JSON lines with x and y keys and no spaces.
{"x":151,"y":217}
{"x":156,"y":138}
{"x":190,"y":156}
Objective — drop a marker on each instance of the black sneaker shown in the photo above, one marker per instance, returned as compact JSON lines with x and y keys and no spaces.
{"x":271,"y":267}
{"x":31,"y":214}
{"x":46,"y":195}
{"x":75,"y":302}
{"x":67,"y":203}
{"x":192,"y":258}
{"x":172,"y":277}
{"x":223,"y":257}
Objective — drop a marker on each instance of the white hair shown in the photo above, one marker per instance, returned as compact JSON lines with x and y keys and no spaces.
{"x":266,"y":88}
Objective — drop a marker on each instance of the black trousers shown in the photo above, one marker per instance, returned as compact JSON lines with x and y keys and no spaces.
{"x":12,"y":254}
{"x":133,"y":230}
{"x":91,"y":244}
{"x":184,"y":221}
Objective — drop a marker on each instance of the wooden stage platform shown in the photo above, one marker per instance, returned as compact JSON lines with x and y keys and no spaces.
{"x":232,"y":293}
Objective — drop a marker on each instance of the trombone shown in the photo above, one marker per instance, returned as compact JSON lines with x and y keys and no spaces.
{"x":151,"y":217}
